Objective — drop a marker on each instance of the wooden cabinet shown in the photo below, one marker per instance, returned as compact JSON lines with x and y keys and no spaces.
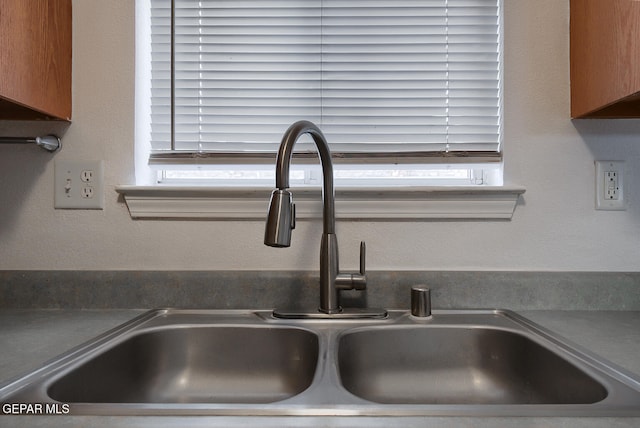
{"x":35,"y":59}
{"x":605,"y":58}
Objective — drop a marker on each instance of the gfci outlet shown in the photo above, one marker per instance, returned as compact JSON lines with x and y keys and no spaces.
{"x":79,"y":184}
{"x":610,"y":186}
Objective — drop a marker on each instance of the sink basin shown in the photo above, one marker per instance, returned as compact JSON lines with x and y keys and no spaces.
{"x":196,"y":365}
{"x":419,"y":365}
{"x":241,"y":363}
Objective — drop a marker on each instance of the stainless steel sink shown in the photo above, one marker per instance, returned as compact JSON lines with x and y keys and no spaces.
{"x":198,"y":362}
{"x":188,"y":364}
{"x":461,"y":365}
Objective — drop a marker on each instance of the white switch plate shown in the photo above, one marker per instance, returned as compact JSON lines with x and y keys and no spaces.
{"x":610,"y":186}
{"x":79,"y":184}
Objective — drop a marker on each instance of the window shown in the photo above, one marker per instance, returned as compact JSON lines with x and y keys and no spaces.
{"x":408,"y":91}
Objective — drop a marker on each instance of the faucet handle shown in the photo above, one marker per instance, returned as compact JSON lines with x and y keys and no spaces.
{"x":354,"y":281}
{"x":359,"y":281}
{"x":363,"y":256}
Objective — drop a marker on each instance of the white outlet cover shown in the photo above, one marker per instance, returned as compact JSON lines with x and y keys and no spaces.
{"x":69,"y":185}
{"x":602,"y":202}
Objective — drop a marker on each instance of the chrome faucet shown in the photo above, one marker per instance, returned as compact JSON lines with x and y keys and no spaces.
{"x":281,"y":221}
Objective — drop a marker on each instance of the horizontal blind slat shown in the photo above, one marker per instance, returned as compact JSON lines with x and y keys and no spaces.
{"x":373,"y":74}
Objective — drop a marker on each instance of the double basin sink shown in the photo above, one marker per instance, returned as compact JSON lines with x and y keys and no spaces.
{"x":198,"y":362}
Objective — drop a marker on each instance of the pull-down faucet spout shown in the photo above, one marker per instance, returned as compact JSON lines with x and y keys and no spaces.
{"x":278,"y":230}
{"x":281,"y":218}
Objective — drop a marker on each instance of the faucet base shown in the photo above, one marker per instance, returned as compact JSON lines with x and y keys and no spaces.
{"x":346,"y":313}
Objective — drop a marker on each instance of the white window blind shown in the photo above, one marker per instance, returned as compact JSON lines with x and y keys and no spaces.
{"x":374,"y":75}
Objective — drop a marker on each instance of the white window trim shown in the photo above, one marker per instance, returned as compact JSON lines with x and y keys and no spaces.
{"x":362,"y":203}
{"x":382,"y":204}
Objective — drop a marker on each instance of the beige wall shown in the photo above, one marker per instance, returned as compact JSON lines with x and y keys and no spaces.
{"x":555,"y":228}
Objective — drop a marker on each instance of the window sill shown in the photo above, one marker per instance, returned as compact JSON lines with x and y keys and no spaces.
{"x":399,"y":203}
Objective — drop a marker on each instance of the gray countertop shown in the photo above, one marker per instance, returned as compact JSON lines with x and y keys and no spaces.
{"x":28,"y":338}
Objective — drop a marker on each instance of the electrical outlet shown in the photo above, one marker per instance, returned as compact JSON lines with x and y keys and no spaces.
{"x":87,"y":192}
{"x":610,"y":186}
{"x":79,"y":185}
{"x":86,"y":175}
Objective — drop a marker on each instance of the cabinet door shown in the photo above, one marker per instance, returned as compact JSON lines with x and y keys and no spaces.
{"x":35,"y":59}
{"x":605,"y":58}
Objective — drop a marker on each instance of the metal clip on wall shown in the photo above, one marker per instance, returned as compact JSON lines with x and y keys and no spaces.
{"x":50,"y":143}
